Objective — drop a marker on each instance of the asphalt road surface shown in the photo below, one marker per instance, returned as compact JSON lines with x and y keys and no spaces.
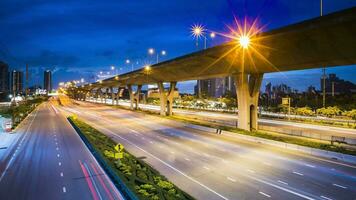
{"x":210,"y":166}
{"x":49,"y":161}
{"x":231,"y":120}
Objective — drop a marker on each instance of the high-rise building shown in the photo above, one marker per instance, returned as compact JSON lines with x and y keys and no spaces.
{"x":47,"y":81}
{"x":4,"y":80}
{"x":16,"y":82}
{"x":216,"y":87}
{"x":334,"y":85}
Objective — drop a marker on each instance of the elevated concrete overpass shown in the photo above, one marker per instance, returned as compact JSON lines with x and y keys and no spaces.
{"x":320,"y":42}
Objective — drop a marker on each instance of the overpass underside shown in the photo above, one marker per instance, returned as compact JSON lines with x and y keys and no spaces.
{"x":321,"y":42}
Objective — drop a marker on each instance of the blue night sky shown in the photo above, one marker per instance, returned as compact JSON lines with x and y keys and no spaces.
{"x":79,"y":38}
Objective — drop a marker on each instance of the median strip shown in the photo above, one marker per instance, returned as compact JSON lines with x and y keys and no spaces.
{"x":135,"y":178}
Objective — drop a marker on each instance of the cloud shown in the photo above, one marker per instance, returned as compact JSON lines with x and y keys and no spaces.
{"x":48,"y":58}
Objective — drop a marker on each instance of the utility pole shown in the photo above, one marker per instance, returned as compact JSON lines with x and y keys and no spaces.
{"x":333,"y":88}
{"x":26,"y":87}
{"x":324,"y":76}
{"x":324,"y":86}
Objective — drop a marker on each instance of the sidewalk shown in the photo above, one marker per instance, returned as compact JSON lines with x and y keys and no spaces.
{"x":7,"y":140}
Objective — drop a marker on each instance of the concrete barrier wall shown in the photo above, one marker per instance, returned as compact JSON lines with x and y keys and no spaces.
{"x":306,"y":150}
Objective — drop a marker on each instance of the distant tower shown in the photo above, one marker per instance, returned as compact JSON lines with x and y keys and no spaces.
{"x":16,"y":82}
{"x":4,"y":80}
{"x":47,"y":81}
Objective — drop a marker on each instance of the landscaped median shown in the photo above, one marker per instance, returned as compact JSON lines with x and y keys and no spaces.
{"x":280,"y":137}
{"x":140,"y":180}
{"x":307,"y":142}
{"x":19,"y":112}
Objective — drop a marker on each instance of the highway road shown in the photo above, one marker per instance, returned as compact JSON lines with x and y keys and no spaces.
{"x":49,"y":161}
{"x":210,"y":166}
{"x":231,"y":120}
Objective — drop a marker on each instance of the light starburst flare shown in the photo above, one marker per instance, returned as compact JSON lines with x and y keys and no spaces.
{"x":248,"y":45}
{"x":197,"y":30}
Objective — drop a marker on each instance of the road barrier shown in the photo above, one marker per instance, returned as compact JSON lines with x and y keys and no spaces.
{"x":125,"y":191}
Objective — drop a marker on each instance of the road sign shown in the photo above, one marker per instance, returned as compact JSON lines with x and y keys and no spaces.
{"x":120,"y":155}
{"x":119,"y":147}
{"x":285,"y":101}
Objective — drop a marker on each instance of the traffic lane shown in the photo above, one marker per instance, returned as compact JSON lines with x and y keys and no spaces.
{"x":107,"y":125}
{"x":134,"y":116}
{"x":17,"y":135}
{"x":27,"y":177}
{"x":308,"y":165}
{"x":324,"y":190}
{"x":81,"y":171}
{"x":209,"y":184}
{"x":35,"y":174}
{"x":231,"y":120}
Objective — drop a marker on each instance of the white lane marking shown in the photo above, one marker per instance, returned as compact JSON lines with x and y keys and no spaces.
{"x":264,"y":194}
{"x":281,"y":188}
{"x":266,"y":163}
{"x":23,"y":138}
{"x":324,"y":197}
{"x":167,"y":164}
{"x":340,"y":186}
{"x":57,"y":149}
{"x":58,"y":155}
{"x":279,"y":181}
{"x":187,"y":159}
{"x":224,"y":161}
{"x":251,"y":171}
{"x":133,"y":131}
{"x":231,"y":179}
{"x":64,"y":189}
{"x":207,"y":168}
{"x":308,"y":165}
{"x":298,"y":173}
{"x":59,"y":163}
{"x":57,"y":143}
{"x":61,"y":174}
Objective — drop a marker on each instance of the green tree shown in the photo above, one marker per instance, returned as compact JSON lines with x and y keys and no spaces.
{"x":329,"y":111}
{"x":351,"y":114}
{"x":305,"y":111}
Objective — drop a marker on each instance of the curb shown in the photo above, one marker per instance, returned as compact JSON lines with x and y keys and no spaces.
{"x":293,"y":147}
{"x":126,"y":192}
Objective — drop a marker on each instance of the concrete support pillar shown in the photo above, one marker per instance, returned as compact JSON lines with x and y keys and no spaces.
{"x":106,"y":95}
{"x":97,"y":95}
{"x":101,"y":95}
{"x":118,"y":95}
{"x":112,"y":95}
{"x":248,"y":89}
{"x":166,"y":98}
{"x":134,"y":96}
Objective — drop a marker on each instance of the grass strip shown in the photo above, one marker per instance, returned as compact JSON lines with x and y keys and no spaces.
{"x":307,"y":142}
{"x":144,"y":181}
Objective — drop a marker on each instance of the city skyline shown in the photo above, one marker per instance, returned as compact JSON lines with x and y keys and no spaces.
{"x":79,"y":51}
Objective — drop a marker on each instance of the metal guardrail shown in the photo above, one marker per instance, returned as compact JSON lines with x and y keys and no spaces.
{"x":120,"y":185}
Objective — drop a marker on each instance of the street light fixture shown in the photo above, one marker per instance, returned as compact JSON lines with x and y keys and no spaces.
{"x":212,"y":35}
{"x":151,"y":51}
{"x":128,"y":62}
{"x":244,"y":41}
